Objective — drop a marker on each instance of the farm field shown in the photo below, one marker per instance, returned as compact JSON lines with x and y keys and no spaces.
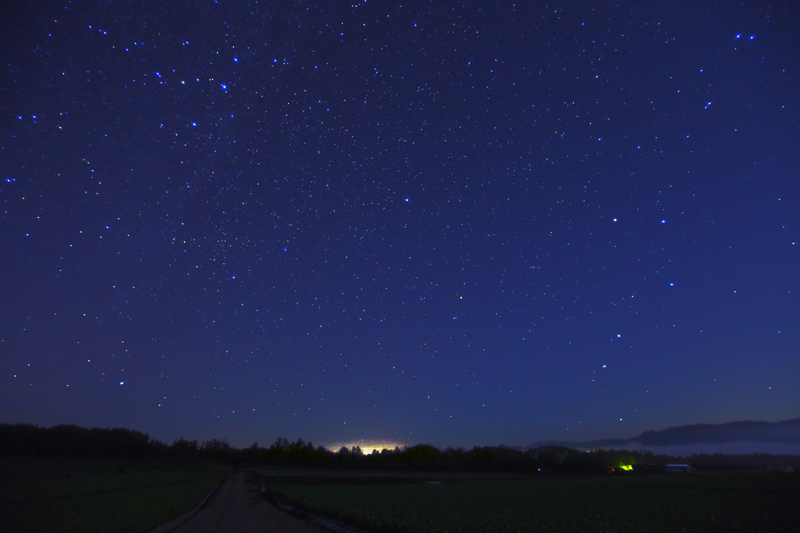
{"x":409,"y":503}
{"x":96,"y":495}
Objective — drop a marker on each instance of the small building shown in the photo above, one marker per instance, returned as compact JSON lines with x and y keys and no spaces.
{"x":680,"y":469}
{"x":780,"y":468}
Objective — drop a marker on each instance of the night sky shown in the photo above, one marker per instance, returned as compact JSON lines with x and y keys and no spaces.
{"x":441,"y":222}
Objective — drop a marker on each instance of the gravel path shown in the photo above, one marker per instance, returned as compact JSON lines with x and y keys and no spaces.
{"x":238,"y":506}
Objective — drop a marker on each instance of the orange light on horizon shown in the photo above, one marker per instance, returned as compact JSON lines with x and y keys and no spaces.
{"x":367,"y":445}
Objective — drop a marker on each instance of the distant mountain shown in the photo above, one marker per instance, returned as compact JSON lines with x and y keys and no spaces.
{"x":786,"y":432}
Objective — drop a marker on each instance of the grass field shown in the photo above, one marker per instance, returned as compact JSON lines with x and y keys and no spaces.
{"x":692,"y":503}
{"x":50,"y":495}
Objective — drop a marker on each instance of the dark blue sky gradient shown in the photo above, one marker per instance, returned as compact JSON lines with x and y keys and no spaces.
{"x":442,"y":222}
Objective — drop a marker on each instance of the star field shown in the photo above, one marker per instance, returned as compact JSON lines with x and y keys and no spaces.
{"x":452,"y":223}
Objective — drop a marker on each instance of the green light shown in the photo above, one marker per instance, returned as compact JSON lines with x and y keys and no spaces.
{"x":626,"y":467}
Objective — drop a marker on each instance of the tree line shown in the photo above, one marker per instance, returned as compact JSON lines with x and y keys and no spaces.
{"x":72,"y":441}
{"x":547,"y":459}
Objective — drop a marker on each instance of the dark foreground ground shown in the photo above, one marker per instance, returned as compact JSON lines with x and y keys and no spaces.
{"x":99,"y":495}
{"x":433,"y":503}
{"x":45,"y":495}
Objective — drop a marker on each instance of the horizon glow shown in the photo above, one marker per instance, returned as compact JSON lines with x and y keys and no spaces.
{"x":367,"y":445}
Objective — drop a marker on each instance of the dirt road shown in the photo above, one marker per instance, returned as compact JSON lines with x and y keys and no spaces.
{"x":238,"y":506}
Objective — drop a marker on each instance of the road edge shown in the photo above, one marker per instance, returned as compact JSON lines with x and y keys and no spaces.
{"x":175,"y":523}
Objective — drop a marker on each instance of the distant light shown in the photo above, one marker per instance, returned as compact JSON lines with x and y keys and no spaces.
{"x":752,"y":37}
{"x":224,"y":87}
{"x":367,"y":445}
{"x":604,"y":366}
{"x":663,"y":221}
{"x":235,"y":59}
{"x":122,"y":383}
{"x":406,"y":199}
{"x":619,"y":336}
{"x":738,"y":36}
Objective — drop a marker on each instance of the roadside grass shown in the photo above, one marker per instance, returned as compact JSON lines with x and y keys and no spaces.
{"x":714,"y":503}
{"x":110,"y":496}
